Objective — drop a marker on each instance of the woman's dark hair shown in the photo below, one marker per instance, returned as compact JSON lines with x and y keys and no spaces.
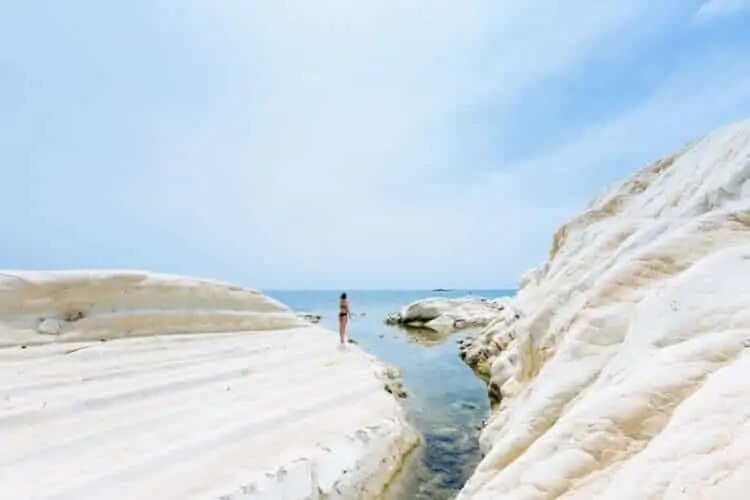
{"x":343,"y":295}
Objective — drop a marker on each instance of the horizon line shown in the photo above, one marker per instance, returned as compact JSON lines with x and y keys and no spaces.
{"x":437,"y":289}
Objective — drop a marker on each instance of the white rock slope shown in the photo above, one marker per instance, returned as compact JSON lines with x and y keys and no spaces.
{"x":620,"y":369}
{"x":252,"y":403}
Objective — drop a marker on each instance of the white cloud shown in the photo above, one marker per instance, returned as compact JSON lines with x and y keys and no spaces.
{"x":361,"y":140}
{"x":323,"y":142}
{"x":714,"y":9}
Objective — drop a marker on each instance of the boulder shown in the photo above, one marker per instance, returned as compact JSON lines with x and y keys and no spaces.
{"x":446,"y":314}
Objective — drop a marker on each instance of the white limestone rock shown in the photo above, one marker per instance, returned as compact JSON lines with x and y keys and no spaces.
{"x":446,"y":314}
{"x":152,"y":386}
{"x":620,"y":370}
{"x":94,"y":305}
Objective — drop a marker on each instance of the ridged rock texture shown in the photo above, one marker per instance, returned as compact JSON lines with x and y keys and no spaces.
{"x":135,"y":385}
{"x":621,"y":368}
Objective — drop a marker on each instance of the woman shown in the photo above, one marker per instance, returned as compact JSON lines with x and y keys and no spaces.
{"x":344,"y":315}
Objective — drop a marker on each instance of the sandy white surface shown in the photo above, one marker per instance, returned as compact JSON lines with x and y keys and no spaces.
{"x":620,"y":371}
{"x":263,"y":406}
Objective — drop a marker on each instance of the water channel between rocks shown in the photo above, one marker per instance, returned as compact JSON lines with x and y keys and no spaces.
{"x":446,"y":402}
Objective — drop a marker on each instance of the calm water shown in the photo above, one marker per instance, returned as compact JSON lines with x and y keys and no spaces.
{"x":446,"y":401}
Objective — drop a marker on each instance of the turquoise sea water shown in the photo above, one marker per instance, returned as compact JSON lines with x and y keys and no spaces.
{"x":446,"y":400}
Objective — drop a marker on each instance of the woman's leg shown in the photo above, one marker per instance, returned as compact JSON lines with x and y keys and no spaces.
{"x":342,"y":327}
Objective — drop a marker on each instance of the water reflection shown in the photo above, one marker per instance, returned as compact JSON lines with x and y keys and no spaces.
{"x":424,"y":336}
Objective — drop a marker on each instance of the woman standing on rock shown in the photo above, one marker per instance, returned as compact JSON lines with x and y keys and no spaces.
{"x":344,"y":315}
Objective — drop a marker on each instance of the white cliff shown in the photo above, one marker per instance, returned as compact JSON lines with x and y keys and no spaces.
{"x":136,"y":385}
{"x":620,"y":370}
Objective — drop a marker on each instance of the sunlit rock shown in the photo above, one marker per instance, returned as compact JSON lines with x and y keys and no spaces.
{"x":202,"y":390}
{"x":620,"y":369}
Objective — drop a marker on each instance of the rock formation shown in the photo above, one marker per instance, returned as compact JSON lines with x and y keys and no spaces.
{"x":620,"y":370}
{"x":393,"y":382}
{"x":311,"y":317}
{"x":443,"y":314}
{"x":150,"y":386}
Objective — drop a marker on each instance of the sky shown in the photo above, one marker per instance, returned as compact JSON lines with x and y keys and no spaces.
{"x":342,"y":144}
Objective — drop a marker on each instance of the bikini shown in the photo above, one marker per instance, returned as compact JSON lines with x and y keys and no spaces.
{"x":342,"y":310}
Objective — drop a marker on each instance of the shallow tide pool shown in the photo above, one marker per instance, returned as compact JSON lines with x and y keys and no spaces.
{"x":446,"y":402}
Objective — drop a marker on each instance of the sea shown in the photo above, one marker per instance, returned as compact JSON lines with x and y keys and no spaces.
{"x":446,"y":401}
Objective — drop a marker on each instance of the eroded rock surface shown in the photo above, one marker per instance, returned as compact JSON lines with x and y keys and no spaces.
{"x":620,"y":369}
{"x":201,"y":390}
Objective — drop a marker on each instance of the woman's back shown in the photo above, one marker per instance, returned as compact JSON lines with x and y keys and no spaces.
{"x":343,"y":316}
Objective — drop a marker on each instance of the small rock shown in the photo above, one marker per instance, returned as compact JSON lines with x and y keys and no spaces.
{"x":396,"y":389}
{"x":468,"y":405}
{"x":49,"y":326}
{"x":311,"y":317}
{"x":393,"y":319}
{"x":73,"y":315}
{"x":392,"y":372}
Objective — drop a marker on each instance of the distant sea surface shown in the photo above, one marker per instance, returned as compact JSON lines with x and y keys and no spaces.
{"x":446,"y":400}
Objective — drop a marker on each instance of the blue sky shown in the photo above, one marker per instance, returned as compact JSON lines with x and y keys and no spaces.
{"x":341,"y":144}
